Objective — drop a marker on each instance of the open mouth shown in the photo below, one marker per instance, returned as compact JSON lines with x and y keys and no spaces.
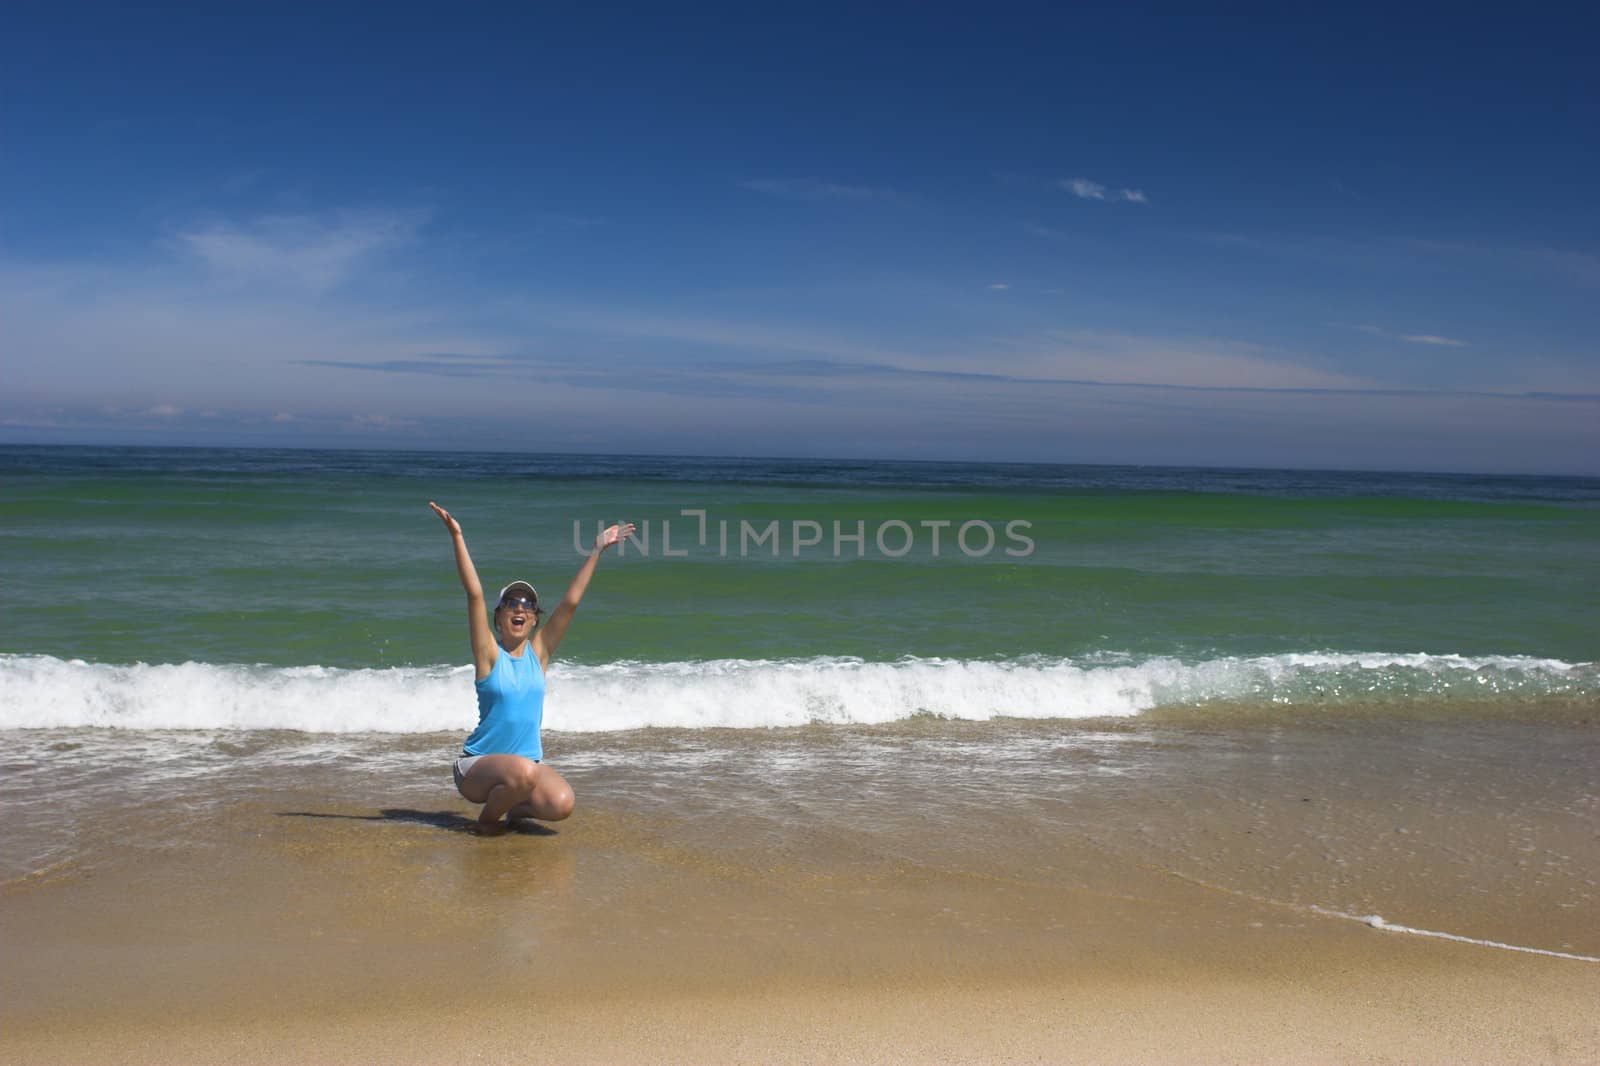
{"x":517,"y":620}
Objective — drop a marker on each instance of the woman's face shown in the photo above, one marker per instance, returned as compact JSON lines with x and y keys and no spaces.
{"x":514,"y":618}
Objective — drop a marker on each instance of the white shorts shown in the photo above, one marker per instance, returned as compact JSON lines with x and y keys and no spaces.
{"x":459,"y":768}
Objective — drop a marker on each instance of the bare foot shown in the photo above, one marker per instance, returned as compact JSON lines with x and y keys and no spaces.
{"x":489,"y":829}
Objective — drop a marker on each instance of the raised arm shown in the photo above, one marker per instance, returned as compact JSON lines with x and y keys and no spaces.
{"x":483,"y":645}
{"x":550,"y":634}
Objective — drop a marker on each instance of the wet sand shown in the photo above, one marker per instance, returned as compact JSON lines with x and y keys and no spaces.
{"x":935,"y":892}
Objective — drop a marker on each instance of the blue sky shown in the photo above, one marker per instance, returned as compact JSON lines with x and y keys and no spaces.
{"x":1353,"y":238}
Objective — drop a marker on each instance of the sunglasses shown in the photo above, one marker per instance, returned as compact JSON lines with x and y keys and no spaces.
{"x":519,"y":601}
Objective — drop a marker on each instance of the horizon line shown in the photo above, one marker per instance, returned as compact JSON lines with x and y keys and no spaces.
{"x":444,"y":449}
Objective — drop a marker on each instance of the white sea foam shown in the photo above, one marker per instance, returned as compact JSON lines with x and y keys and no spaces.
{"x":40,"y":691}
{"x":1377,"y":921}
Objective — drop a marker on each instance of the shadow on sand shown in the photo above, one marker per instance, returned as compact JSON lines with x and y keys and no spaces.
{"x":458,"y":823}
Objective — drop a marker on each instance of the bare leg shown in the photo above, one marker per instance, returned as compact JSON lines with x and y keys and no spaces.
{"x":500,"y":782}
{"x":550,"y":801}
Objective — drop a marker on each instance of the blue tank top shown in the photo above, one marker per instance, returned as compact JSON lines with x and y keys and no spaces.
{"x":510,"y":708}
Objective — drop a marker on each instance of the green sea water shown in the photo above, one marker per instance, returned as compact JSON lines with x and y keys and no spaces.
{"x":290,"y":559}
{"x":302,"y":558}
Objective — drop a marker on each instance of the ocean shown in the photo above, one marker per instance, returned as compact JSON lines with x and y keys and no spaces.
{"x":314,"y":591}
{"x":1331,"y":692}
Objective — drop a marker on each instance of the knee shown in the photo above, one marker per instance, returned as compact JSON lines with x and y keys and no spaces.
{"x":561,"y":803}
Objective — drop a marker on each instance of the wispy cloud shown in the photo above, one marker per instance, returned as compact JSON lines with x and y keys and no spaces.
{"x":1066,"y":353}
{"x":742,"y":334}
{"x":1580,"y":268}
{"x":1519,"y":263}
{"x":382,"y":423}
{"x":813,"y":189}
{"x":1432,"y":339}
{"x":815,"y":378}
{"x":149,"y":424}
{"x":1084,"y":189}
{"x":364,"y":362}
{"x":1148,"y":359}
{"x":308,"y":251}
{"x":440,"y":364}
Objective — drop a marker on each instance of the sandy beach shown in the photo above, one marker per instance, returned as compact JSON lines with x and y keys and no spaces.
{"x":1405,"y":1011}
{"x":1148,"y":893}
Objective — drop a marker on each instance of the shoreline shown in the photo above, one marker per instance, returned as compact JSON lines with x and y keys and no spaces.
{"x":935,"y":893}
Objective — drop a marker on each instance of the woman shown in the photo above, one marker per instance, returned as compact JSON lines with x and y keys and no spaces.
{"x":500,"y":763}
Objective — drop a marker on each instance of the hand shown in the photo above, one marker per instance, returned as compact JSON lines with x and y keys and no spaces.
{"x":449,"y":523}
{"x":611,"y":535}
